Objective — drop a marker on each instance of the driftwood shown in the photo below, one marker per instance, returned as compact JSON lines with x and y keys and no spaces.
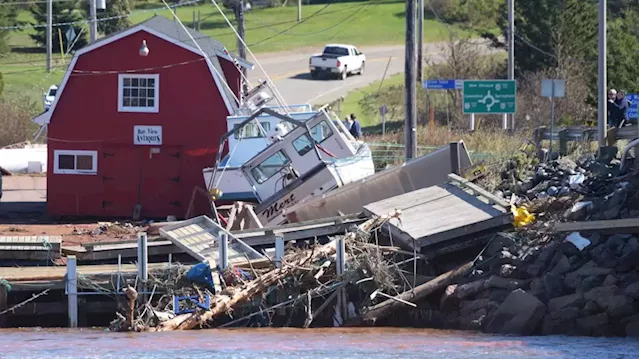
{"x":389,"y":306}
{"x":224,"y":303}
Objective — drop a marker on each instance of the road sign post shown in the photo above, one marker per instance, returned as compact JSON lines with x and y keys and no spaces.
{"x":489,"y":96}
{"x":383,"y":113}
{"x":552,"y":89}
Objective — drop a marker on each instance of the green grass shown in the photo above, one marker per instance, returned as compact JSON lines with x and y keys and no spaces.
{"x":351,"y":103}
{"x":361,"y":23}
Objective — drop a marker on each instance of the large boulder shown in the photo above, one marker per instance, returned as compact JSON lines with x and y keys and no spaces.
{"x":571,"y":300}
{"x":592,"y":324}
{"x":520,"y":313}
{"x":611,"y":300}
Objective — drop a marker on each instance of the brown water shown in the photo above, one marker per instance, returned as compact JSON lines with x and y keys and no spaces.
{"x":297,"y":343}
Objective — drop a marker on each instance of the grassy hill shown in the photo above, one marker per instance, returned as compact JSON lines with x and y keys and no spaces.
{"x":267,"y":30}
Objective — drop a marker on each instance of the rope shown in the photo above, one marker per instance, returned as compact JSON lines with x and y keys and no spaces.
{"x":5,"y":283}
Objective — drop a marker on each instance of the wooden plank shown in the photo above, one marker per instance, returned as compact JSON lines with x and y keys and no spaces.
{"x":35,"y":241}
{"x":626,"y":225}
{"x":479,"y":191}
{"x":43,"y":273}
{"x":439,"y":213}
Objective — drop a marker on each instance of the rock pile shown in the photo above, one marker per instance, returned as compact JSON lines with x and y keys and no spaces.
{"x":535,"y":281}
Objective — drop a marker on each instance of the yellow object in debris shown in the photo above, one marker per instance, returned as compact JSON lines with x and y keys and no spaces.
{"x":215,"y":193}
{"x":521,"y":217}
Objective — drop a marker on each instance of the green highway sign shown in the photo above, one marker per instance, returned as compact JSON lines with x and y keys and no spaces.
{"x":489,"y":96}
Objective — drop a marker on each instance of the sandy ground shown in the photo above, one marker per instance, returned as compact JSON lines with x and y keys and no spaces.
{"x":75,"y":234}
{"x":22,"y":214}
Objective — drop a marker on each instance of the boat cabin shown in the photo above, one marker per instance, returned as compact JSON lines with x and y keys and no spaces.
{"x":307,"y":161}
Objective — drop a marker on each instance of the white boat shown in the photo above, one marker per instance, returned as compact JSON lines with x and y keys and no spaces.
{"x":313,"y":156}
{"x":244,"y":144}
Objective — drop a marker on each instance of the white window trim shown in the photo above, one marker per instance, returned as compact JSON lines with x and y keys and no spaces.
{"x":56,"y":162}
{"x":154,"y":109}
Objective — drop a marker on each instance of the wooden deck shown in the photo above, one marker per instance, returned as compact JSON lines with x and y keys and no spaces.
{"x":440,"y":213}
{"x":199,"y":237}
{"x":30,"y":247}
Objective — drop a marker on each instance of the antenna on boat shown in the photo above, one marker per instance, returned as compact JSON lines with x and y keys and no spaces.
{"x":277,"y":93}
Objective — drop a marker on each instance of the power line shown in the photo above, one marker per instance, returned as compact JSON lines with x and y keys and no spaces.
{"x":41,"y":62}
{"x":109,"y":72}
{"x":9,"y":3}
{"x":22,"y":27}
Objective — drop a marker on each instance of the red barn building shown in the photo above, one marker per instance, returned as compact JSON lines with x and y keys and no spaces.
{"x":131,"y":130}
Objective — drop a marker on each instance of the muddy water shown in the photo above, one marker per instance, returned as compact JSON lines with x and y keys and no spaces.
{"x":295,"y":343}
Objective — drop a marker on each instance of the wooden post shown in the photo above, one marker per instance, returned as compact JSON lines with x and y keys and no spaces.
{"x":454,"y":153}
{"x":143,"y":259}
{"x":72,"y":291}
{"x":198,"y":28}
{"x":4,"y":304}
{"x":279,"y":251}
{"x":223,"y":247}
{"x":563,"y":139}
{"x":410,"y":78}
{"x":118,"y":286}
{"x":340,"y":267}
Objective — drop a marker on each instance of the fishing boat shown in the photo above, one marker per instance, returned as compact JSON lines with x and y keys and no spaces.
{"x":307,"y":157}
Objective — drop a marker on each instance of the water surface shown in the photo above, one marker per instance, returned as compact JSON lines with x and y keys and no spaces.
{"x":377,"y":343}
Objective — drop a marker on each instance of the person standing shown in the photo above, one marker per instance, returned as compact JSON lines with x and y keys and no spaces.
{"x":623,"y":108}
{"x":354,"y":127}
{"x":612,"y":108}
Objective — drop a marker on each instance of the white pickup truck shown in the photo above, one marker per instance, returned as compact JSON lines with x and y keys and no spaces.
{"x":337,"y":59}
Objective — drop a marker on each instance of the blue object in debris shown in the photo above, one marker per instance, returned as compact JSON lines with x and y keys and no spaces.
{"x":194,"y":299}
{"x":201,"y":274}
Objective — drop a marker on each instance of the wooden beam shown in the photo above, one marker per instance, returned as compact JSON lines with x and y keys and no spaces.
{"x":478,"y":191}
{"x":4,"y":304}
{"x":625,"y":225}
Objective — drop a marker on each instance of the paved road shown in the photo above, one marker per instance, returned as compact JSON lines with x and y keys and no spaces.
{"x":290,"y":72}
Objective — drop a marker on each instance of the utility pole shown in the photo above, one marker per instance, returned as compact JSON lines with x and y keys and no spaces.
{"x":242,"y":51}
{"x":420,"y":39}
{"x":410,"y":82}
{"x":602,"y":73}
{"x":510,"y":120}
{"x":49,"y":25}
{"x":299,"y":10}
{"x":93,"y":24}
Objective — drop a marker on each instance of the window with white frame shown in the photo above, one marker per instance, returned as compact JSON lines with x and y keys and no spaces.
{"x":75,"y":162}
{"x":138,"y":92}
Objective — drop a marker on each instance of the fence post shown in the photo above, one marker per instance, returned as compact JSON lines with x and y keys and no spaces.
{"x":143,"y":259}
{"x":454,"y":153}
{"x":223,"y":247}
{"x":341,"y":301}
{"x":279,"y":251}
{"x":563,"y":139}
{"x":72,"y":291}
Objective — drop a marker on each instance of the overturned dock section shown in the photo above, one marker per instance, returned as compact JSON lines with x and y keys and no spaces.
{"x":201,"y":236}
{"x":434,"y":217}
{"x":425,"y":171}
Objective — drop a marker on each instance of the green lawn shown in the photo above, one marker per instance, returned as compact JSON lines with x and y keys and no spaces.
{"x":352,"y":99}
{"x":267,"y":30}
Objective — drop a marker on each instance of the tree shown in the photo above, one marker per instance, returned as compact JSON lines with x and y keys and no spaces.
{"x":568,"y":30}
{"x":8,"y":15}
{"x":63,"y":12}
{"x":622,"y":52}
{"x":120,"y":8}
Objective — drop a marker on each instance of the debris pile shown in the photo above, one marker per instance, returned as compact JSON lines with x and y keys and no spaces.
{"x":539,"y":280}
{"x":113,"y":229}
{"x":306,"y":282}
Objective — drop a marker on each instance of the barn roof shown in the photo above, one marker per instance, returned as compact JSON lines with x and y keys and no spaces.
{"x":169,"y":29}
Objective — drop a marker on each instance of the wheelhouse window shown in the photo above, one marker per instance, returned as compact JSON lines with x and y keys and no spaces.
{"x":269,"y":167}
{"x":321,"y":131}
{"x":302,"y":144}
{"x":251,"y":130}
{"x":138,"y":92}
{"x":75,"y":162}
